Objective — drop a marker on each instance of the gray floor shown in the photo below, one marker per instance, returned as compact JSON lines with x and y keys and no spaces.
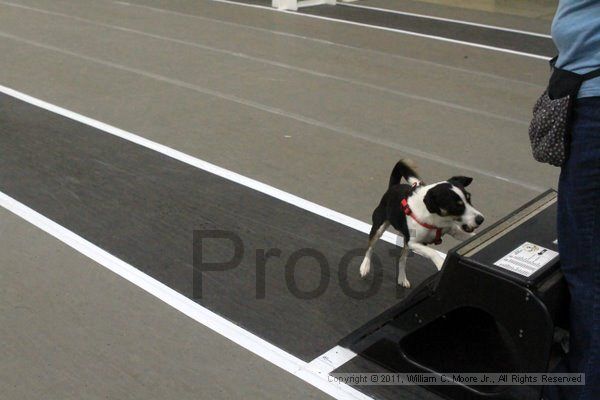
{"x":319,"y":109}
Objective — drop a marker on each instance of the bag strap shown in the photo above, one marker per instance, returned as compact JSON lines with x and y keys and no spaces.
{"x":591,"y":75}
{"x":584,"y":77}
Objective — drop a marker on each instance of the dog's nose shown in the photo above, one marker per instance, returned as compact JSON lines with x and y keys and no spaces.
{"x":479,"y":219}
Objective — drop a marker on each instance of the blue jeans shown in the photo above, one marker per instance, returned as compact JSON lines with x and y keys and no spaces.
{"x":579,"y":245}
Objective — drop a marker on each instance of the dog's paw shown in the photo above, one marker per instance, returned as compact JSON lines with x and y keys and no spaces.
{"x":365,"y":267}
{"x":404,"y":283}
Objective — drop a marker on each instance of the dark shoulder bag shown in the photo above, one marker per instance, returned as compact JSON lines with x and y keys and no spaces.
{"x":549,"y":128}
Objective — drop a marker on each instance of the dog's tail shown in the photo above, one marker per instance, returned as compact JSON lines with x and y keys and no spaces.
{"x":404,"y":169}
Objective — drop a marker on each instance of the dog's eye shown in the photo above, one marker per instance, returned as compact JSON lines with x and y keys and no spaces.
{"x":460,"y":203}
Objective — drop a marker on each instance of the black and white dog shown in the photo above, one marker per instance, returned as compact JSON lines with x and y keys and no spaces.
{"x":422,"y":214}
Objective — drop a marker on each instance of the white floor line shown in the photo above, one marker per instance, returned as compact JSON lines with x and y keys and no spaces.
{"x":276,"y":64}
{"x":401,"y":31}
{"x":331,"y":360}
{"x":455,"y":21}
{"x":329,"y":43}
{"x":183,"y":304}
{"x":283,"y":113}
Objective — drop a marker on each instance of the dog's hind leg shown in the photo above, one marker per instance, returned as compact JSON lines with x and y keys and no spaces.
{"x":402,"y":280}
{"x":378,"y":228}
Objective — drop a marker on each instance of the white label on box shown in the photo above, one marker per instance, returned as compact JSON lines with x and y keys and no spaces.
{"x":526,"y":259}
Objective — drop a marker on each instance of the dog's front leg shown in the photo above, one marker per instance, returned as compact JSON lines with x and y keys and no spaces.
{"x":425,"y":251}
{"x":365,"y":266}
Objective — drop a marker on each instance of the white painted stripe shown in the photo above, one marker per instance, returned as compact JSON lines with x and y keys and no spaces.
{"x":402,"y":31}
{"x":329,"y":43}
{"x":331,"y":360}
{"x":183,"y":304}
{"x":354,"y":82}
{"x":455,"y":21}
{"x":205,"y":166}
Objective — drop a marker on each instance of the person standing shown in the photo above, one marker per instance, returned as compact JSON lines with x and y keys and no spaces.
{"x":576,"y":33}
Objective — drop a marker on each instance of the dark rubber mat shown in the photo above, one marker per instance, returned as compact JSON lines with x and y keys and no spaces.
{"x":474,"y":34}
{"x":143,"y":207}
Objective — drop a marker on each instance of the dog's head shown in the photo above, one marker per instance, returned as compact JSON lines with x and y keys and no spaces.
{"x":450,"y":199}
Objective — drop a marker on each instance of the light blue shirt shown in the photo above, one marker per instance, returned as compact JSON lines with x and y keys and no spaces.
{"x":576,"y":33}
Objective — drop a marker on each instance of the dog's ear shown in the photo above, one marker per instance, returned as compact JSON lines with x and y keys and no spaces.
{"x":431,"y":203}
{"x":463,"y":181}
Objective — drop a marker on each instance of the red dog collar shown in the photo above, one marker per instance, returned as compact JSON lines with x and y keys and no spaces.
{"x":408,"y":211}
